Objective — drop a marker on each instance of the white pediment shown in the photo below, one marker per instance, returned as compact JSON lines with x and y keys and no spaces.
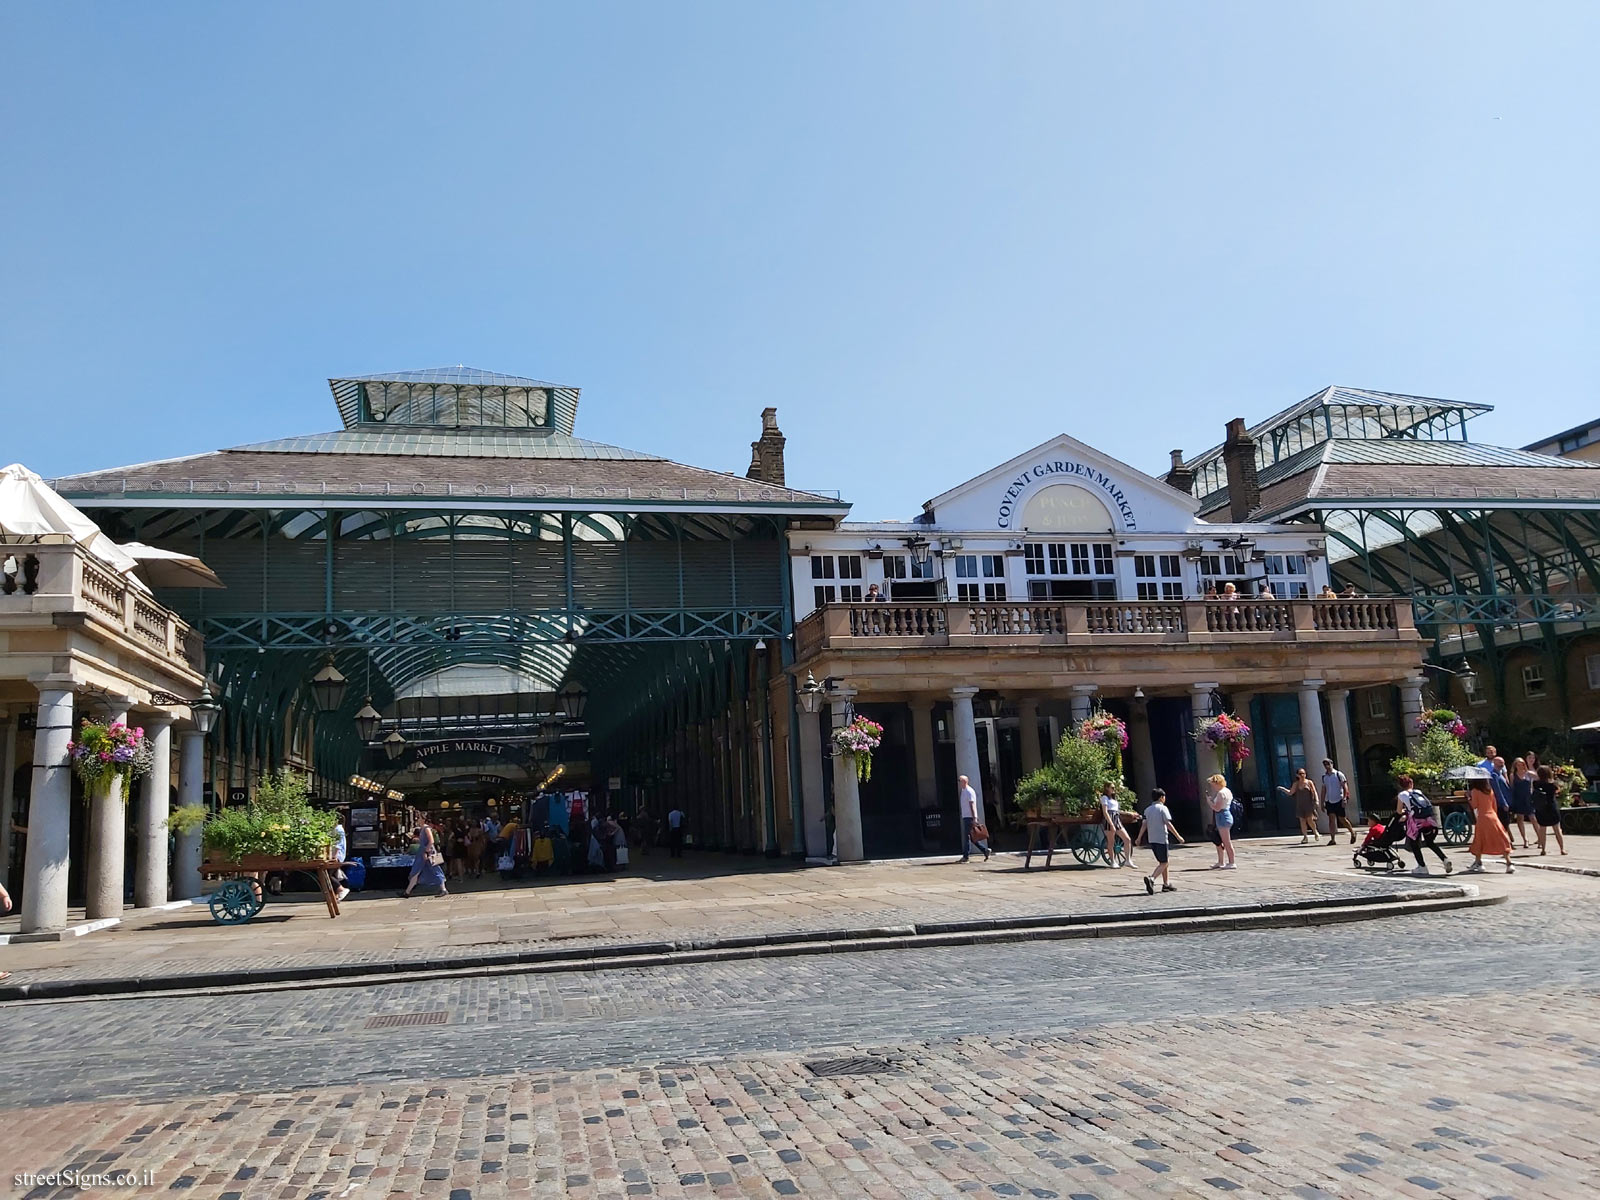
{"x":1024,"y":488}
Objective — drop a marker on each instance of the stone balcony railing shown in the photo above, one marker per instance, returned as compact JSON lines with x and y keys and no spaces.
{"x":61,"y":583}
{"x":1102,"y":622}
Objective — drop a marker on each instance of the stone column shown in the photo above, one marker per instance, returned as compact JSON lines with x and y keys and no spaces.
{"x":1410,"y":710}
{"x":44,"y":893}
{"x":1200,"y":710}
{"x":108,"y":831}
{"x":846,"y":789}
{"x":150,"y":863}
{"x":1250,"y":771}
{"x":965,"y":731}
{"x":1083,"y":700}
{"x":1028,"y":733}
{"x":8,"y":800}
{"x":191,"y":794}
{"x":811,"y":798}
{"x":1141,"y":752}
{"x":922,"y":748}
{"x":1312,"y":736}
{"x":1344,"y":747}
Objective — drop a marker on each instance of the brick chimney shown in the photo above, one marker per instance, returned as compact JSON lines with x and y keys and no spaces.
{"x":1239,"y":457}
{"x":1180,"y":477}
{"x":766,"y":455}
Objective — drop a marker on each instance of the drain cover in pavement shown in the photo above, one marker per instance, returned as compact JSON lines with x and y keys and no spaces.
{"x":827,"y":1068}
{"x":396,"y":1020}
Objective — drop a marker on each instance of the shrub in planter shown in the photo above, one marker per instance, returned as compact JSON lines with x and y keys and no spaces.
{"x":279,"y":821}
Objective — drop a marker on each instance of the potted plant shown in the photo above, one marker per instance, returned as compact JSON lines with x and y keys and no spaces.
{"x":278,"y":822}
{"x":1437,"y":750}
{"x":1226,"y":736}
{"x":102,"y":752}
{"x":859,"y":738}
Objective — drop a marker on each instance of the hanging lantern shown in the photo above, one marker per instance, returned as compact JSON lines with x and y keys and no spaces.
{"x":327,"y":686}
{"x":394,"y":745}
{"x":574,"y":699}
{"x":205,"y":710}
{"x":368,"y":721}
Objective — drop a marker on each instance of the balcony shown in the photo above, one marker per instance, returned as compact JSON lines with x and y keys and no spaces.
{"x":1104,"y":623}
{"x":60,"y":586}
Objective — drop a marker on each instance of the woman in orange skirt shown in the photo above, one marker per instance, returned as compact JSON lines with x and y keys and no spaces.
{"x":1488,"y":835}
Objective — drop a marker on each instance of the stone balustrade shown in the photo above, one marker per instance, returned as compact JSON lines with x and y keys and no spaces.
{"x":1103,"y":622}
{"x":67,"y":580}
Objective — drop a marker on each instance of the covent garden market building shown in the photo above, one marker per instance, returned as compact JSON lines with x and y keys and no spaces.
{"x":515,"y":609}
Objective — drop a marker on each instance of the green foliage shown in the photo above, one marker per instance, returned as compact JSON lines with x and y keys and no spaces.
{"x":1437,"y":751}
{"x":1070,"y":783}
{"x":186,"y":818}
{"x":279,"y":821}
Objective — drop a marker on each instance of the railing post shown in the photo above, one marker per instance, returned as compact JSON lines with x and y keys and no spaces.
{"x":958,"y":619}
{"x":1076,"y":620}
{"x":1304,"y":617}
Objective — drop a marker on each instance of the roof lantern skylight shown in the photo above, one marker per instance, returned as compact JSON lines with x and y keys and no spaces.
{"x":454,"y":398}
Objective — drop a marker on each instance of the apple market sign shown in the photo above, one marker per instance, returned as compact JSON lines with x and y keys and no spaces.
{"x":1066,"y":471}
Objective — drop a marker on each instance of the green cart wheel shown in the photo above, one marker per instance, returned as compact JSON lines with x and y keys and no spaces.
{"x":1457,"y":829}
{"x":1089,"y":844}
{"x":1119,"y":852}
{"x":235,"y":901}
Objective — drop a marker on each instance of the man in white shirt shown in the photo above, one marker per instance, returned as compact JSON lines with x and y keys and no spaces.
{"x":341,"y":846}
{"x":675,"y":831}
{"x":971,"y":818}
{"x":1335,"y":791}
{"x":1155,"y":832}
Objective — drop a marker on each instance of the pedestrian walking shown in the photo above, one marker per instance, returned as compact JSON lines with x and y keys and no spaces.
{"x":1220,"y":801}
{"x":645,"y":826}
{"x":427,"y":864}
{"x":1111,"y":814}
{"x":973,"y":832}
{"x":1523,"y":780}
{"x":1500,"y":783}
{"x":1488,"y":835}
{"x":1421,"y":823}
{"x":1304,"y":794}
{"x":675,"y":831}
{"x":1335,"y":794}
{"x":340,"y":853}
{"x":1155,"y":831}
{"x":1547,"y":809}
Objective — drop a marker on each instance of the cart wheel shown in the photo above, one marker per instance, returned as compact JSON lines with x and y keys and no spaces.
{"x":258,"y":898}
{"x":233,"y":903}
{"x":1457,"y":829}
{"x":1088,"y":844}
{"x":1119,"y":852}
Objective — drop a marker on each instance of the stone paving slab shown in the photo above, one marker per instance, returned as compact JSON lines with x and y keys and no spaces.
{"x":684,"y":902}
{"x":1377,"y":1100}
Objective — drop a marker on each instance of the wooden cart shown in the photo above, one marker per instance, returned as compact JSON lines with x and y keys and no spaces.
{"x":241,"y":895}
{"x":1085,"y":836}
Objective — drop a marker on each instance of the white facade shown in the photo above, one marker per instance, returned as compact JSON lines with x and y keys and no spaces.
{"x":1059,"y":522}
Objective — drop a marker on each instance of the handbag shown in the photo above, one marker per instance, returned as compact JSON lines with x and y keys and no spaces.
{"x":1214,"y":834}
{"x":980,"y":833}
{"x":434,"y":858}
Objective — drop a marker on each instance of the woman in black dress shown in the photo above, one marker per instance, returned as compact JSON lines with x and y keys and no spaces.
{"x":1523,"y":778}
{"x":1546,"y":809}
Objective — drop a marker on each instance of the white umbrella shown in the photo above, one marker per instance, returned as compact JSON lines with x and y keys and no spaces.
{"x":29,"y":507}
{"x":1466,"y":773}
{"x":170,"y":568}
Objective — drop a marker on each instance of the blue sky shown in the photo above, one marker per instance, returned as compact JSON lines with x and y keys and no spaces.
{"x":932,"y":234}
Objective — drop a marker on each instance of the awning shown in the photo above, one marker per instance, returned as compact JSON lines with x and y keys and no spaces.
{"x":170,"y":569}
{"x":30,"y":508}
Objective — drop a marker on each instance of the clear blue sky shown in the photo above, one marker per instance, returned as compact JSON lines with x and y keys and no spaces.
{"x":931,"y":234}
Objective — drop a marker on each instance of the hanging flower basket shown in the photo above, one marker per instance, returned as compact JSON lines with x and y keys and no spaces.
{"x":1442,"y":718}
{"x":1227,"y":737}
{"x":104,"y":752}
{"x":859,"y":738}
{"x":1108,"y":732}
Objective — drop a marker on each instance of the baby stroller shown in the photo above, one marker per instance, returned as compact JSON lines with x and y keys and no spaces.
{"x":1378,"y":848}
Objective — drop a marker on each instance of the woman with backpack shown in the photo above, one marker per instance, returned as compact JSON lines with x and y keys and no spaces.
{"x":1220,"y":801}
{"x":1422,"y":825}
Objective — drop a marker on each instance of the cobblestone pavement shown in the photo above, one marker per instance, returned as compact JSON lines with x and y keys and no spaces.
{"x":708,"y":898}
{"x":1451,"y":1054}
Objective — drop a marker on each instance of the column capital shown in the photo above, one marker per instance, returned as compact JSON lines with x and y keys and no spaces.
{"x":964,"y":692}
{"x":1085,"y":689}
{"x":1337,"y":693}
{"x":1204,"y":687}
{"x":1312,"y":685}
{"x":922,"y":703}
{"x":158,"y":720}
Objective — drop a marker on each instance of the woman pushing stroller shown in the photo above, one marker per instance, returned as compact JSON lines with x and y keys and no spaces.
{"x":1421,"y":824}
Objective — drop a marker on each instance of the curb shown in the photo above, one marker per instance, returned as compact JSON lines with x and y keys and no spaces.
{"x":1149,"y":923}
{"x":1560,"y":868}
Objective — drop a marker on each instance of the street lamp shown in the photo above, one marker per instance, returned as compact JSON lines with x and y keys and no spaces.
{"x":418,"y":768}
{"x":811,"y":694}
{"x":394,"y":745}
{"x":205,"y":710}
{"x":574,"y":699}
{"x":921,"y":555}
{"x":368,"y":721}
{"x":327,"y":686}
